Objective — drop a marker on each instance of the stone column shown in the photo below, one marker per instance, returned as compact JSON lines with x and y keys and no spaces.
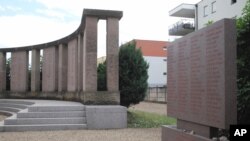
{"x":80,"y":61}
{"x":90,"y":54}
{"x":62,"y":67}
{"x":19,"y":71}
{"x":35,"y":71}
{"x":72,"y":65}
{"x":113,"y":54}
{"x":2,"y":71}
{"x":50,"y":69}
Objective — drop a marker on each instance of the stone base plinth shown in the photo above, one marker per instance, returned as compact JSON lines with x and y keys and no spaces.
{"x":106,"y":117}
{"x":87,"y":98}
{"x":171,"y":133}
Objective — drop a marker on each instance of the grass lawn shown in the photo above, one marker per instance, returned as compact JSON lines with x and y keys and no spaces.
{"x":139,"y":119}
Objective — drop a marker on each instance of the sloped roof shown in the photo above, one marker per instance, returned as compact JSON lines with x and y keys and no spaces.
{"x":152,"y":48}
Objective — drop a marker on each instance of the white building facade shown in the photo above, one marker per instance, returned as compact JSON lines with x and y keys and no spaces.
{"x":157,"y":71}
{"x":155,"y":53}
{"x":214,"y":10}
{"x":204,"y":12}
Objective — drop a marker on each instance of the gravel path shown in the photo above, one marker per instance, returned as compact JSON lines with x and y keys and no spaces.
{"x":129,"y":134}
{"x":151,"y":107}
{"x":152,"y":134}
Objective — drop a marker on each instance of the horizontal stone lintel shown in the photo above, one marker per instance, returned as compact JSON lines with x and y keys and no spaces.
{"x":102,"y":14}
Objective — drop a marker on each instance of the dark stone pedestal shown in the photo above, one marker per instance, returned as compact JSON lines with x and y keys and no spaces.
{"x":171,"y":133}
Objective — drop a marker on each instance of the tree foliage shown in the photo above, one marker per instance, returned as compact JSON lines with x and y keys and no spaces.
{"x":8,"y":62}
{"x":209,"y":22}
{"x":101,"y":77}
{"x":133,"y":75}
{"x":243,"y":65}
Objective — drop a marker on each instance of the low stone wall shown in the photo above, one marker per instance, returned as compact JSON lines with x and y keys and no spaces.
{"x":87,"y":98}
{"x":106,"y":117}
{"x":101,"y":98}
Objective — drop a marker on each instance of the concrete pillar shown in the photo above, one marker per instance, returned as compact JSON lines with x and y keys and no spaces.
{"x":19,"y":71}
{"x":2,"y":71}
{"x":113,"y":54}
{"x":62,"y":67}
{"x":80,"y":61}
{"x":90,"y":54}
{"x":72,"y":65}
{"x":35,"y":71}
{"x":50,"y":69}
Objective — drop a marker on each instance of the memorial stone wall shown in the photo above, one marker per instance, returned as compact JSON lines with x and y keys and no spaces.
{"x":202,"y":81}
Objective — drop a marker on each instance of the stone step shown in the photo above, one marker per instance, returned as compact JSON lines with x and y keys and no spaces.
{"x":17,"y":102}
{"x":55,"y":108}
{"x":14,"y":105}
{"x":40,"y":116}
{"x":51,"y":114}
{"x":43,"y":127}
{"x":30,"y":121}
{"x":10,"y":109}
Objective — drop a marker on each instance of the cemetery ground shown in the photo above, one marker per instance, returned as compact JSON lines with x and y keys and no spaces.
{"x":144,"y":124}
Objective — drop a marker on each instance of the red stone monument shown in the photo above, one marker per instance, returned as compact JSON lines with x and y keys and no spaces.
{"x":202,"y":83}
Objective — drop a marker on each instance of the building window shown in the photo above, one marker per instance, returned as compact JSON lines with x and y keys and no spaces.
{"x":164,"y":48}
{"x":205,"y":11}
{"x":164,"y":73}
{"x":213,"y":7}
{"x":233,"y":1}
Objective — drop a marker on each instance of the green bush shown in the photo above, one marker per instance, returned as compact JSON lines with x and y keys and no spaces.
{"x":243,"y":65}
{"x":133,"y":75}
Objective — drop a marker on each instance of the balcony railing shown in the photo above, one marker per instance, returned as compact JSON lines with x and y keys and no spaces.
{"x":182,"y":28}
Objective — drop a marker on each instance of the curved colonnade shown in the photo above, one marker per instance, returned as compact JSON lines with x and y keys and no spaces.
{"x":69,"y":66}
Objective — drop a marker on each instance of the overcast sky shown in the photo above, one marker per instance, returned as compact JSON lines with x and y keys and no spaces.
{"x":28,"y":22}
